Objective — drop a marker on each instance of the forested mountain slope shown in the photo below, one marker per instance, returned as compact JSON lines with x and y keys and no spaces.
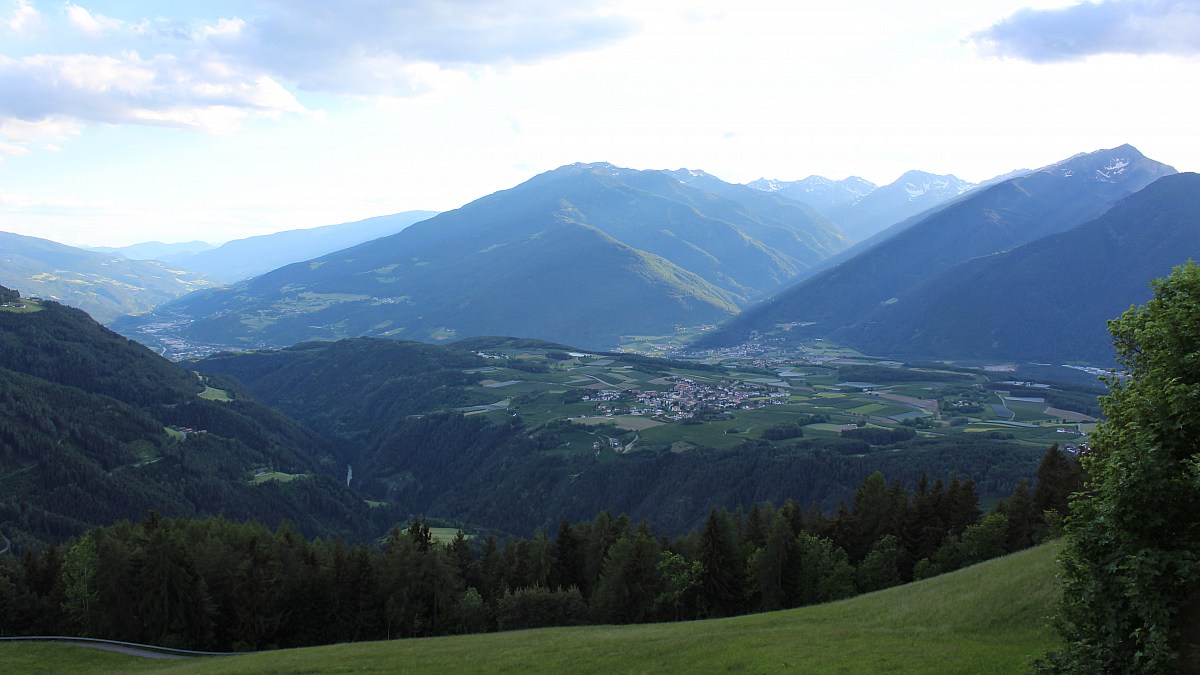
{"x":94,"y":427}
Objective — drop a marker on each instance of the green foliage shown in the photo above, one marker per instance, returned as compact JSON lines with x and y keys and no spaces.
{"x":991,"y":624}
{"x":540,"y":606}
{"x":79,"y":584}
{"x":783,"y":431}
{"x":629,"y":586}
{"x":979,"y":542}
{"x":878,"y":436}
{"x":881,"y":568}
{"x":722,"y":577}
{"x":217,"y":584}
{"x":1132,"y":562}
{"x":1058,"y":477}
{"x":680,"y":581}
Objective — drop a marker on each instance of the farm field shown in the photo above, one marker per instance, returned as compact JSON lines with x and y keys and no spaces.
{"x":23,"y":306}
{"x":620,"y":403}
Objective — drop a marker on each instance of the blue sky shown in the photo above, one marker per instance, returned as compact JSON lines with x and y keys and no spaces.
{"x":127,"y":121}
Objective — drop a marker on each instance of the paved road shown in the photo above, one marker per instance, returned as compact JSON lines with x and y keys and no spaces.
{"x":130,"y":648}
{"x":131,"y":651}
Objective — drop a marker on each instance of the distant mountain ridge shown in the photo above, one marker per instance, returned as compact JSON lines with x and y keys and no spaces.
{"x":1050,"y":299}
{"x":581,"y":255}
{"x":104,"y":285}
{"x":244,"y":258}
{"x":822,"y":194}
{"x":1005,"y":215}
{"x":862,"y":208}
{"x":153,"y":250}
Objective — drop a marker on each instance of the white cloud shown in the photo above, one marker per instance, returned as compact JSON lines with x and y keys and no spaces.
{"x":17,"y":136}
{"x":24,"y":19}
{"x":128,"y":89}
{"x":371,"y":46}
{"x":212,"y":73}
{"x":1144,"y":27}
{"x":93,"y":24}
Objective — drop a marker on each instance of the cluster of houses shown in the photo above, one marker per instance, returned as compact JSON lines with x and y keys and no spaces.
{"x":685,"y":398}
{"x":178,"y":348}
{"x":186,"y":431}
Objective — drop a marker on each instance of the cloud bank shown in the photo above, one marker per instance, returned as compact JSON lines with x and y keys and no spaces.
{"x":369,"y":46}
{"x":212,"y":73}
{"x":1141,"y":27}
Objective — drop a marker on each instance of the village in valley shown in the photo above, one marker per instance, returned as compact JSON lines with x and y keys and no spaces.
{"x":627,"y":403}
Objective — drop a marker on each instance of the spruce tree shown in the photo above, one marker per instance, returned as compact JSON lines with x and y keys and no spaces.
{"x":718,"y":554}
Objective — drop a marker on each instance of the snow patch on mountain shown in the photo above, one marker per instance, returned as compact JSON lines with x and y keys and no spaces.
{"x":1111,"y":173}
{"x":943,"y":187}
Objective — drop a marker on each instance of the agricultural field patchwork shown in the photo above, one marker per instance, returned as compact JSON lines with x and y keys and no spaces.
{"x":618,"y":403}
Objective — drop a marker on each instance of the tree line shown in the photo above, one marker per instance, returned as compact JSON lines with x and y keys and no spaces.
{"x":216,"y":584}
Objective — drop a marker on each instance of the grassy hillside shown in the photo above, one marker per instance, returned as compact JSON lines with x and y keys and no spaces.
{"x":990,"y":618}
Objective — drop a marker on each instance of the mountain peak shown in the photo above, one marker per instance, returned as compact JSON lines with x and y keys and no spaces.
{"x":916,"y":184}
{"x":685,"y":175}
{"x":1114,"y":165}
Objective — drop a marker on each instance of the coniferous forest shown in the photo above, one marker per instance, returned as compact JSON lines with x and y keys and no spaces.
{"x":217,"y":584}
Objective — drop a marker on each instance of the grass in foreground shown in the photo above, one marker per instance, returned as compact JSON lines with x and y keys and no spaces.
{"x":990,"y":618}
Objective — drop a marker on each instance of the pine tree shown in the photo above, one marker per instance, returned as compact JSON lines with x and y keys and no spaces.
{"x":775,"y":567}
{"x":1024,"y":520}
{"x":568,"y":557}
{"x":1058,"y":476}
{"x":718,"y":554}
{"x":872,"y":515}
{"x":629,"y":585}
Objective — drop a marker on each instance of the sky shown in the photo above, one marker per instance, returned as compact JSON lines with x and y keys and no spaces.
{"x":171,"y":120}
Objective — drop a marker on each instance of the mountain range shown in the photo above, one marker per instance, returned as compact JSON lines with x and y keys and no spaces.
{"x":860,"y":207}
{"x":153,"y":250}
{"x":595,"y":255}
{"x":1047,"y":300}
{"x":582,"y":255}
{"x":244,"y":258}
{"x":105,"y":285}
{"x":1014,"y":212}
